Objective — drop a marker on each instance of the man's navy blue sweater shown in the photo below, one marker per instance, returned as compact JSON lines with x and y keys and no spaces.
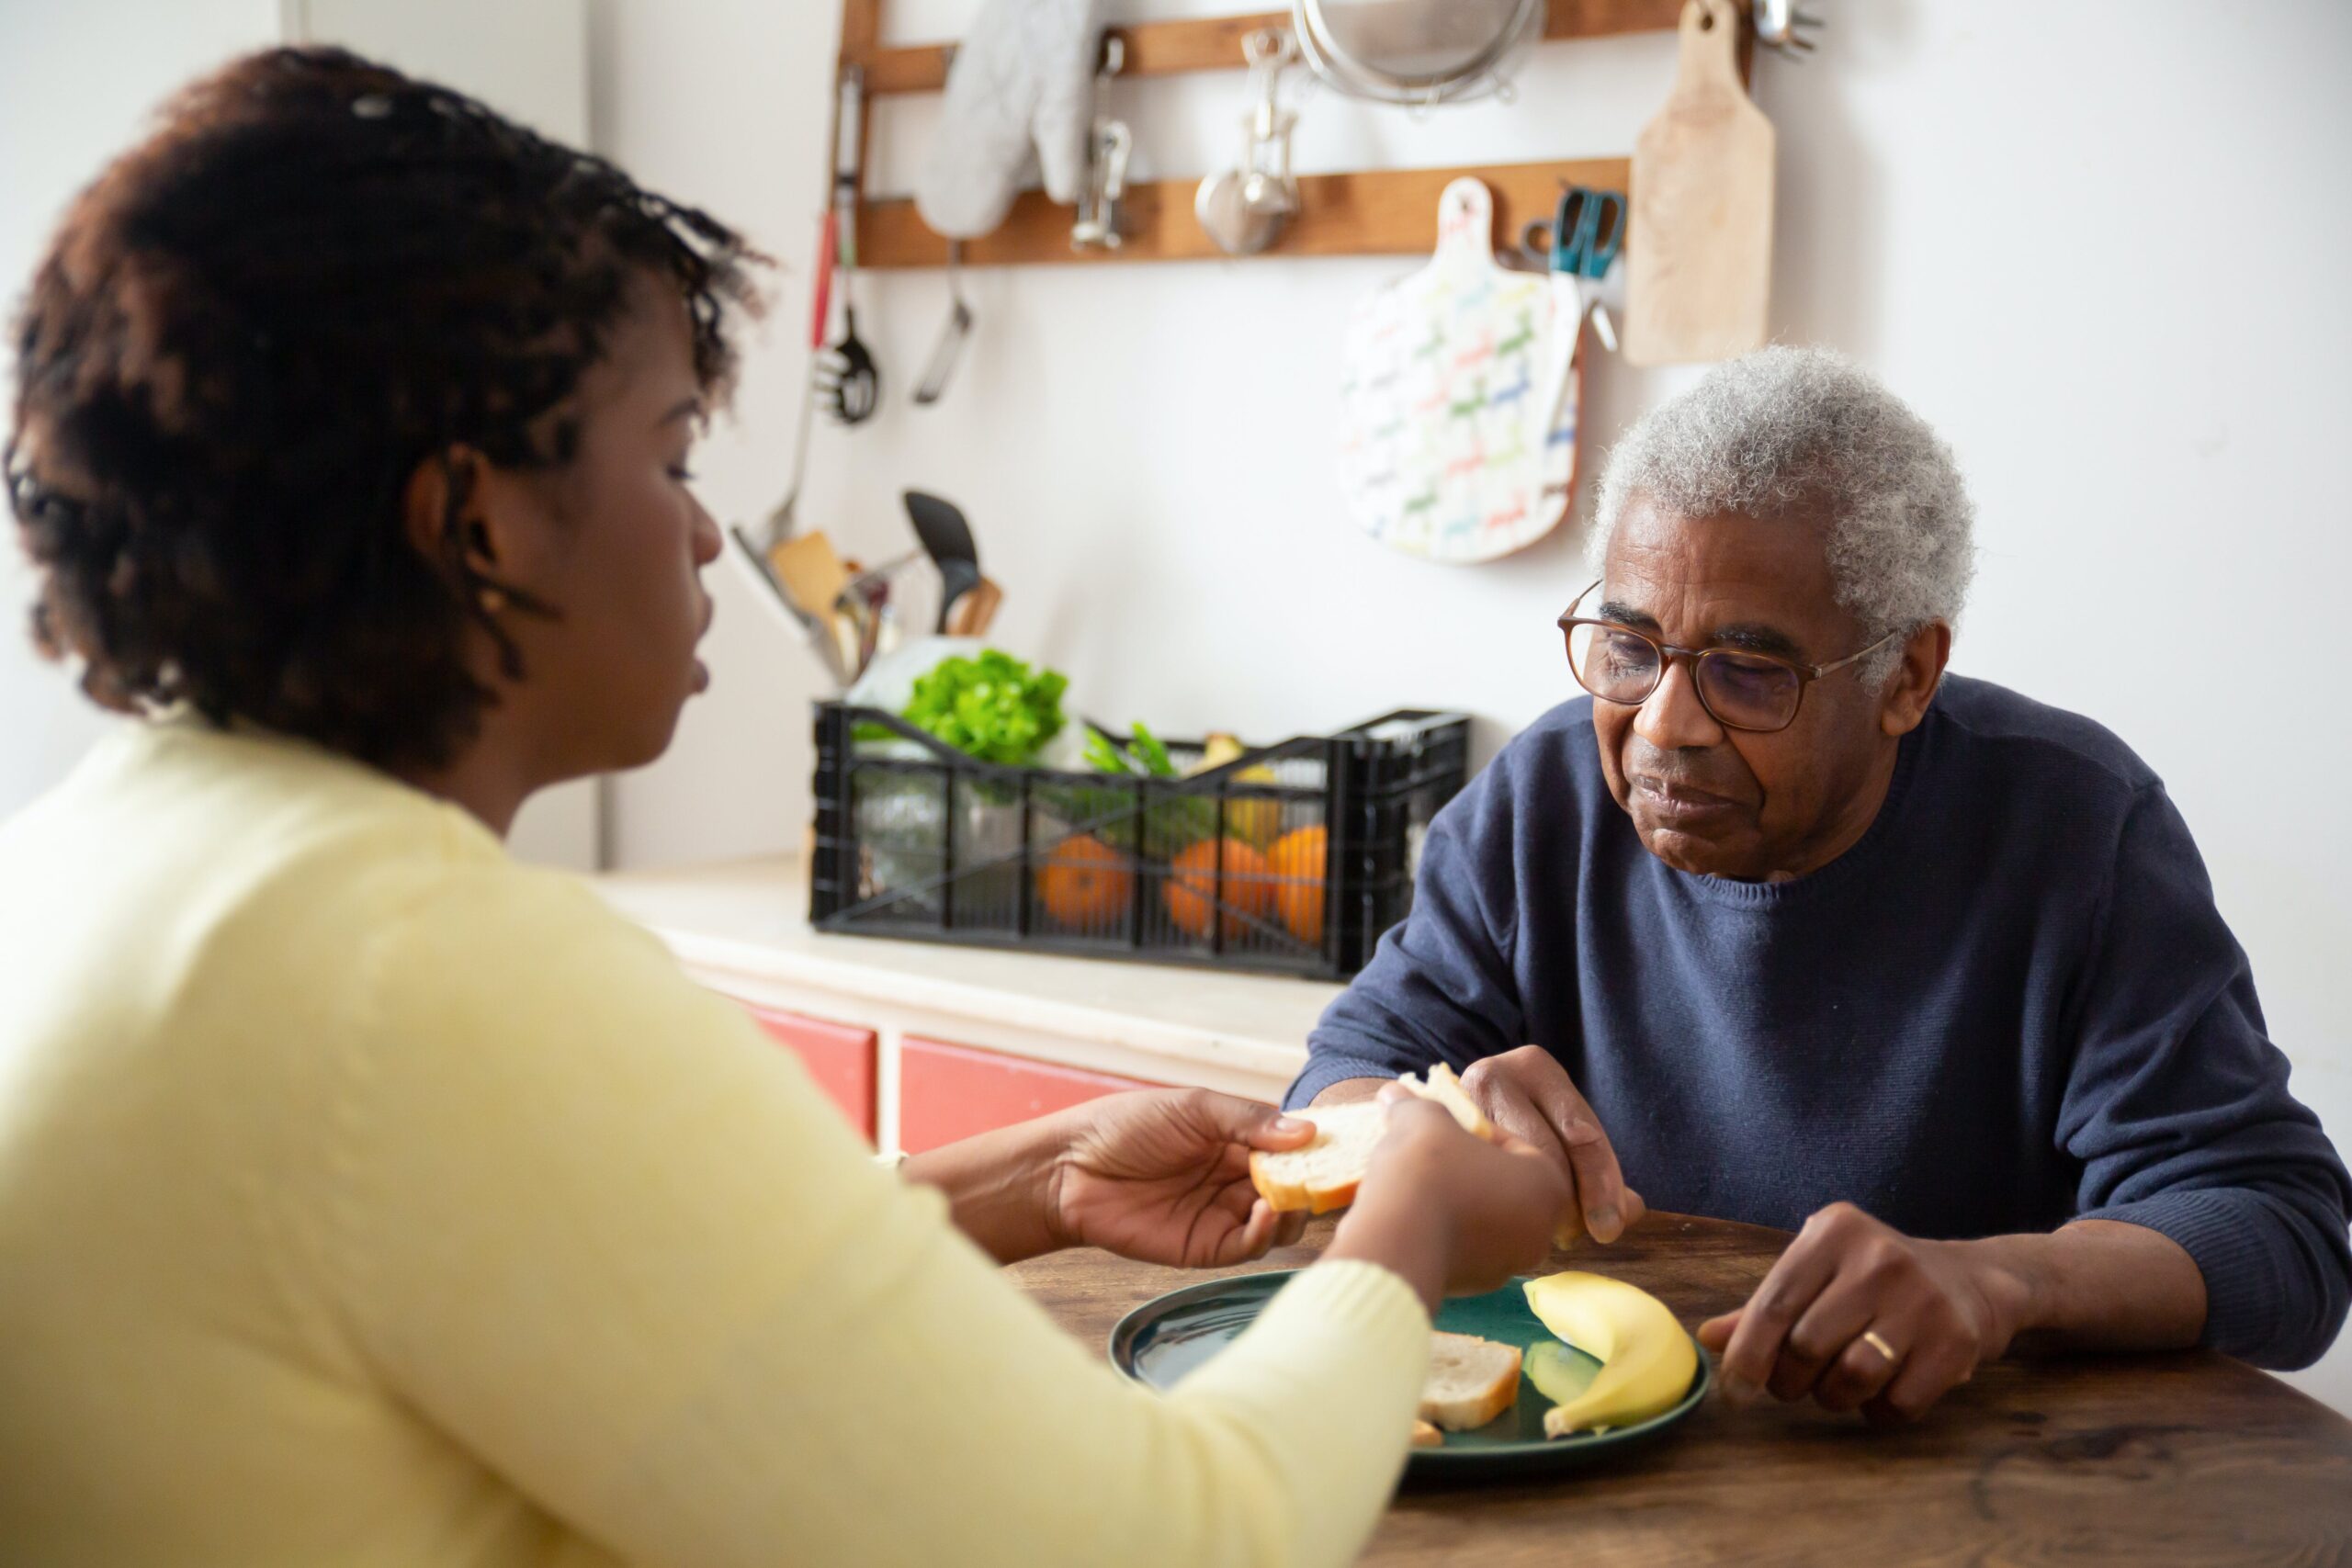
{"x":2011,"y":1004}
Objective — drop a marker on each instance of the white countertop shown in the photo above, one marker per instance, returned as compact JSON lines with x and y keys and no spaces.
{"x":748,"y":920}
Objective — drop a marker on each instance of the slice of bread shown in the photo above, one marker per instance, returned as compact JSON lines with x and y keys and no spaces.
{"x":1471,"y":1380}
{"x":1442,"y":1086}
{"x":1322,"y":1176}
{"x":1426,"y":1436}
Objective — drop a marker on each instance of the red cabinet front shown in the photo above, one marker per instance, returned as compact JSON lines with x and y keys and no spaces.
{"x":840,"y":1057}
{"x":946,"y":1092}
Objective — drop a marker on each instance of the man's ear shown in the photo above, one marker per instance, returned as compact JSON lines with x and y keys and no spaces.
{"x":1913,"y":685}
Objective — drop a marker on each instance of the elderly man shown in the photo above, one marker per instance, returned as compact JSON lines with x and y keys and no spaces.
{"x":1806,"y":933}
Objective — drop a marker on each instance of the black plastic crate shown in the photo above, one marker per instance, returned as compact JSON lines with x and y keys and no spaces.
{"x":1295,"y":874}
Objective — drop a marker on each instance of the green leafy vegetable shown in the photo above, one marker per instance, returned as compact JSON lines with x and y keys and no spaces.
{"x":993,"y":707}
{"x":1105,"y":758}
{"x":1143,"y":758}
{"x":1170,"y":824}
{"x":1155,"y":755}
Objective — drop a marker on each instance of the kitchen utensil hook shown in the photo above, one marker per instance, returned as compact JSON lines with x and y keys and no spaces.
{"x":1780,"y":25}
{"x":1274,"y":46}
{"x":1102,"y":204}
{"x":950,"y":347}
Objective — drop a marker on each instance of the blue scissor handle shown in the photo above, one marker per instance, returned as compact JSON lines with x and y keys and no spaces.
{"x":1588,"y":232}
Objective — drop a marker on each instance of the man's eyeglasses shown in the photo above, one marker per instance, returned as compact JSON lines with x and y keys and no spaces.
{"x":1753,"y":692}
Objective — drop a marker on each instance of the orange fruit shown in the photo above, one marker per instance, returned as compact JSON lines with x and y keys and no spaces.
{"x":1085,"y":882}
{"x":1192,"y":890}
{"x":1297,"y":863}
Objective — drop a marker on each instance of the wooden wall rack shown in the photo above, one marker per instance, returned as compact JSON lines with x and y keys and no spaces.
{"x":1367,"y":212}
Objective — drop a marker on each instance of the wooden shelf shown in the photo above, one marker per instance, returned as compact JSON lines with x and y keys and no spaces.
{"x":1213,"y":44}
{"x":1371,"y":212}
{"x":1374,"y":212}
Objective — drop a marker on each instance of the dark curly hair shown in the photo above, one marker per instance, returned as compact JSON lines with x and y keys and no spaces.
{"x":317,"y":276}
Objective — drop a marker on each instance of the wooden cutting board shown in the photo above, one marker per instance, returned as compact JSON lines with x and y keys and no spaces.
{"x":1458,"y":416}
{"x":1699,"y":255}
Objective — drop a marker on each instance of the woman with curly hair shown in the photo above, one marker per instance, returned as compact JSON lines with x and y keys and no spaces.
{"x":366,"y":1197}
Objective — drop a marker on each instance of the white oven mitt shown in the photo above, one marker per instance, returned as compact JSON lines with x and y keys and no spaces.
{"x":1022,"y":82}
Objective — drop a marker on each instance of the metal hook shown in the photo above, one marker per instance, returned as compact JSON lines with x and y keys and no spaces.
{"x":1101,"y":217}
{"x":1781,"y":26}
{"x":950,"y":347}
{"x":1269,"y":45}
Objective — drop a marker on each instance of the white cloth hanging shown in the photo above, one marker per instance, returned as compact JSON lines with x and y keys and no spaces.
{"x":1019,"y":95}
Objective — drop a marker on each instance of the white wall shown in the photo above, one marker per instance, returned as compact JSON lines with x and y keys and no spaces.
{"x":76,"y":85}
{"x":2105,"y":259}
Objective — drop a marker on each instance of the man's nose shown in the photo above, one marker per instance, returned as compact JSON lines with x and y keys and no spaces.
{"x":1672,"y":717}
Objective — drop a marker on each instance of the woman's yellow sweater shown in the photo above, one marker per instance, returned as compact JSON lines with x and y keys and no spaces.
{"x":368,"y":1198}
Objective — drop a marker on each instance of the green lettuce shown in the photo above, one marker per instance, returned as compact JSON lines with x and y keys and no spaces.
{"x":993,"y":707}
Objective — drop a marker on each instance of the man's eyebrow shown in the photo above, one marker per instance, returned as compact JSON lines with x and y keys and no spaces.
{"x":1748,"y":636}
{"x":1753,"y":639}
{"x":1626,"y":616}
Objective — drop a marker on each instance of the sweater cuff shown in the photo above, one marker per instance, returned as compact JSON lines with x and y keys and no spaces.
{"x":1321,"y":1072}
{"x":2234,"y":1249}
{"x":1348,"y":1312}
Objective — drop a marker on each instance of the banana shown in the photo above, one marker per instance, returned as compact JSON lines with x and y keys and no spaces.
{"x":1215,"y":752}
{"x":1256,"y":821}
{"x":1646,"y":1361}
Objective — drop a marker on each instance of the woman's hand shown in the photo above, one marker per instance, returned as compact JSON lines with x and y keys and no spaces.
{"x":1451,"y":1213}
{"x":1162,"y":1176}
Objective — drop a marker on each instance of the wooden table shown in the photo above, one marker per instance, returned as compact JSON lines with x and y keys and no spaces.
{"x":2189,"y":1458}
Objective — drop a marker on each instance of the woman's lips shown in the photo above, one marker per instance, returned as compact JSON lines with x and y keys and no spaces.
{"x":1681,"y":805}
{"x":702,"y":670}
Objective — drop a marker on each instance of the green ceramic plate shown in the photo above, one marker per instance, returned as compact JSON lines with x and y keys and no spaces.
{"x":1165,"y":1339}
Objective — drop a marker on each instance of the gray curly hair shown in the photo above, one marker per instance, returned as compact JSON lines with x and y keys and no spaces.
{"x":1804,"y":434}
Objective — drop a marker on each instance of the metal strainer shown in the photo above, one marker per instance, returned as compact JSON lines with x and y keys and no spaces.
{"x":1415,"y":51}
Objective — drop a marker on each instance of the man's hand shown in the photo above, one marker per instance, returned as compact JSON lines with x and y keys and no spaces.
{"x":1858,"y":1316}
{"x":1528,"y":1095}
{"x":1163,"y":1175}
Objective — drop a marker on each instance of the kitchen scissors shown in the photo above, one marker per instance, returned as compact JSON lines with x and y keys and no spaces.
{"x":1583,"y":236}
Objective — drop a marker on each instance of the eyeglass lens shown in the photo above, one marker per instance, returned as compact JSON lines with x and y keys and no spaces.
{"x":1747,"y":692}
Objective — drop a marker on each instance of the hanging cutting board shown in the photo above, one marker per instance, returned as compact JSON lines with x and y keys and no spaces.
{"x":1698,"y":257}
{"x":1458,"y":411}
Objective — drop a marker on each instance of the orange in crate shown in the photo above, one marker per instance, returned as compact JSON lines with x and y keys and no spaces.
{"x":1297,"y":863}
{"x":1192,"y":890}
{"x":1085,"y":882}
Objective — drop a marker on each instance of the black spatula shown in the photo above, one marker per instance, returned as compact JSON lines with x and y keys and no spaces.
{"x":947,"y":539}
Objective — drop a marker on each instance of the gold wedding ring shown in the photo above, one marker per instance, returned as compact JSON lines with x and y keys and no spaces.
{"x":1871,"y":1338}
